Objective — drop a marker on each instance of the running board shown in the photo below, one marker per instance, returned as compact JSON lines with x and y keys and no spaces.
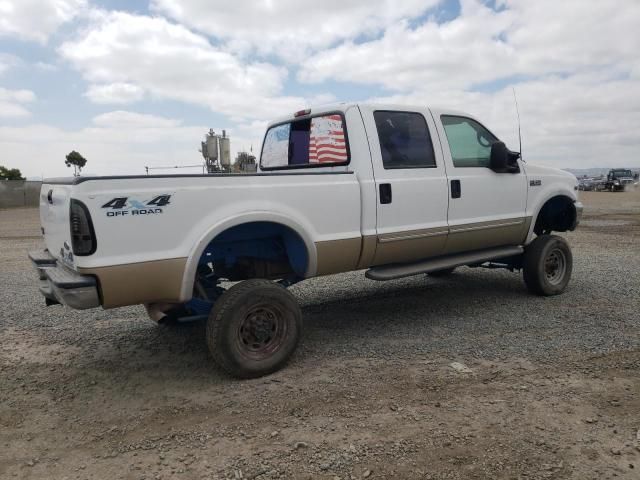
{"x":400,"y":270}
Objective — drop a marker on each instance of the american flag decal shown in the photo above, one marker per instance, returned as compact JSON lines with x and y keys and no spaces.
{"x":326,"y":140}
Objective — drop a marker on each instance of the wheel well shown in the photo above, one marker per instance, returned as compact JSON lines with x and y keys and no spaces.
{"x":558,"y":214}
{"x":256,"y":250}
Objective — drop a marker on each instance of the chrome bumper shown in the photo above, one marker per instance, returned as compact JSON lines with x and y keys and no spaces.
{"x":59,"y":284}
{"x":579,"y":210}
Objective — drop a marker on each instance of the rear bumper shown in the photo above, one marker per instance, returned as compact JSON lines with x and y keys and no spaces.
{"x":59,"y":284}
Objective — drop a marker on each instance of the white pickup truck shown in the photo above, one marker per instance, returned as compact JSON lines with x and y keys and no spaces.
{"x":395,"y":190}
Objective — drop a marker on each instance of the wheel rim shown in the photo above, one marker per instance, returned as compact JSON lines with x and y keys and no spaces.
{"x":262,"y":331}
{"x":555,"y":266}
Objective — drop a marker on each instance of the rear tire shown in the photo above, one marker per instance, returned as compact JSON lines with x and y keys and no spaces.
{"x":442,"y":273}
{"x":254,"y":328}
{"x":547,"y":265}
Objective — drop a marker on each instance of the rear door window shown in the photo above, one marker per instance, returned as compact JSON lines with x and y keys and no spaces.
{"x":308,"y":142}
{"x":405,"y":141}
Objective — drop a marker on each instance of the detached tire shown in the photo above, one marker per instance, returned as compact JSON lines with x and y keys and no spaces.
{"x":547,"y":265}
{"x":254,"y":328}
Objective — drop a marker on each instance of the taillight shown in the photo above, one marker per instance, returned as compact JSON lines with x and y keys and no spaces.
{"x":83,"y":237}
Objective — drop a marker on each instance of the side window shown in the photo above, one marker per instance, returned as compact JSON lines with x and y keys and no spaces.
{"x":316,"y":141}
{"x":275,"y":151}
{"x":405,"y":141}
{"x":469,"y":142}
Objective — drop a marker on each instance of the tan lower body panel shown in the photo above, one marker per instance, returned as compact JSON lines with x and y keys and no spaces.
{"x":135,"y":283}
{"x":410,"y":246}
{"x":476,"y":236}
{"x":369,"y":244}
{"x":423,"y":244}
{"x":337,"y":256}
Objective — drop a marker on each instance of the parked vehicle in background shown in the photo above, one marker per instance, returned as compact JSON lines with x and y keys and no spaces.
{"x":600,"y":183}
{"x":395,"y":190}
{"x":618,"y":179}
{"x":586,"y":184}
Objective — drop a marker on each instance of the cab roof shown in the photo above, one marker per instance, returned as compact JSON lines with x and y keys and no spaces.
{"x":345,"y":106}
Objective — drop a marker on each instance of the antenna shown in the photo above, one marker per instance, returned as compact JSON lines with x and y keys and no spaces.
{"x":515,"y":99}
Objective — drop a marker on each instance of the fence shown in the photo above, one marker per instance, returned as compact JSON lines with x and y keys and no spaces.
{"x":19,"y":193}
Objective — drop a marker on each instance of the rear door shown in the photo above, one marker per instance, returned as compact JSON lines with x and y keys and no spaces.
{"x":411,"y":184}
{"x":486,"y":209}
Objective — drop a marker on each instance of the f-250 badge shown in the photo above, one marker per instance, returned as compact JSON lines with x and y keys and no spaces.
{"x":124,"y":206}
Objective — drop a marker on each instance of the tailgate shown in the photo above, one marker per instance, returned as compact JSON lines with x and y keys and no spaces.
{"x":54,"y":219}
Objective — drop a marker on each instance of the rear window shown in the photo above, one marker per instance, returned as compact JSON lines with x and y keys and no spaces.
{"x":405,"y":141}
{"x":308,"y":142}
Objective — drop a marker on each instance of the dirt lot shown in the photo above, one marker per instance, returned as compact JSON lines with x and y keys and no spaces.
{"x":551,"y":387}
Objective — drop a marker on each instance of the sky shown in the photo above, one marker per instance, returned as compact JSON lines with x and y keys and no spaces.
{"x":135,"y":83}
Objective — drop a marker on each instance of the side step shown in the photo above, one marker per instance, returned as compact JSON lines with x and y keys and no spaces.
{"x":393,"y":271}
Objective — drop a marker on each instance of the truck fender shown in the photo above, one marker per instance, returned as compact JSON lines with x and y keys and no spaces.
{"x":188,"y":278}
{"x":542,"y":198}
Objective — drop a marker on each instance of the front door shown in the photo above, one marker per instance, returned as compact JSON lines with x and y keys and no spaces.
{"x":486,"y":209}
{"x":411,"y":185}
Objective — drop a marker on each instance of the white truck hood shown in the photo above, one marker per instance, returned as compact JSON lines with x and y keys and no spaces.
{"x":539,"y":171}
{"x":533,"y":169}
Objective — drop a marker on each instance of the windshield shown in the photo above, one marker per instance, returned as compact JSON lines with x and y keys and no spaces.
{"x":622,"y":173}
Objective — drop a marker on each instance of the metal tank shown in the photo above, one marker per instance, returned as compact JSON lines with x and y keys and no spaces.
{"x":212,"y":146}
{"x":225,"y":150}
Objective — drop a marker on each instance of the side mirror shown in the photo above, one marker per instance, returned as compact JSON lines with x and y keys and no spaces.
{"x":503,"y":160}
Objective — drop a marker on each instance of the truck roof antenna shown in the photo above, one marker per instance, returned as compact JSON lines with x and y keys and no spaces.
{"x":515,"y":99}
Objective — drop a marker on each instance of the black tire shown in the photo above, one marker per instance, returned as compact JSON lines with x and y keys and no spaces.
{"x":254,"y":328}
{"x":547,"y":265}
{"x":442,"y":273}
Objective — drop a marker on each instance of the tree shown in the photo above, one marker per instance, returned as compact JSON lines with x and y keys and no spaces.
{"x":10,"y":174}
{"x":77,"y":160}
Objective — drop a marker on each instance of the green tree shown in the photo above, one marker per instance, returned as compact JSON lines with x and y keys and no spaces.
{"x":10,"y":174}
{"x":77,"y":160}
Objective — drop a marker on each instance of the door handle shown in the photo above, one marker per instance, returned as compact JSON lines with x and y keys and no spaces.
{"x":385,"y":193}
{"x":456,"y":189}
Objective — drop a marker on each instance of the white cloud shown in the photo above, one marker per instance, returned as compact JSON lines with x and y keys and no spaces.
{"x":575,"y":67}
{"x":115,"y":93}
{"x":584,"y":120}
{"x":481,"y":45}
{"x":124,"y":119}
{"x":36,"y":20}
{"x":12,"y":102}
{"x":45,"y":67}
{"x":572,"y":35}
{"x":575,"y":70}
{"x":8,"y":62}
{"x":116,"y":143}
{"x":288,"y":28}
{"x":169,"y":61}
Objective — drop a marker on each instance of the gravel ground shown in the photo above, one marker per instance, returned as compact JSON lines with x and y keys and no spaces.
{"x":453,"y":378}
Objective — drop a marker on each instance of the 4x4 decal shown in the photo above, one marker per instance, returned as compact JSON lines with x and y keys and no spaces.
{"x":122,"y":206}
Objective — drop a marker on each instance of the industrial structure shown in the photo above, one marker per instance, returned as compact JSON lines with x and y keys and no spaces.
{"x":216,"y":150}
{"x":245,"y":163}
